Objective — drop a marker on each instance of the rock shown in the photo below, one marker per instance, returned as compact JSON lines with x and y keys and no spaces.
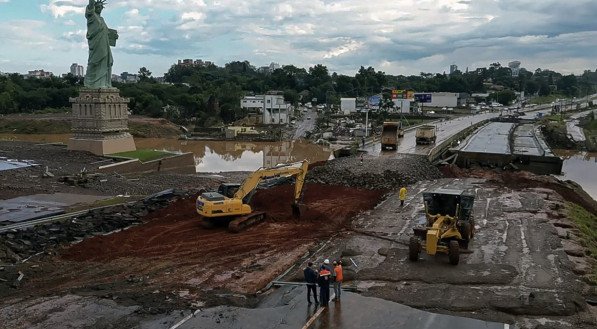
{"x":564,"y":223}
{"x":562,"y":232}
{"x":383,"y":251}
{"x":573,"y":249}
{"x":350,"y":253}
{"x":582,"y":265}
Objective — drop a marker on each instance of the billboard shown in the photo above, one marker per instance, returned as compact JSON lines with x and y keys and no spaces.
{"x":373,"y":101}
{"x":402,"y":94}
{"x":398,"y":94}
{"x":423,"y":98}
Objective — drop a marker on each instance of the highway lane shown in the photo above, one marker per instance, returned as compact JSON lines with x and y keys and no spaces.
{"x":305,"y":123}
{"x":445,"y":130}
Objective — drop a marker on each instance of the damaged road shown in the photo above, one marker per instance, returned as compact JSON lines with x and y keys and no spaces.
{"x":521,"y":269}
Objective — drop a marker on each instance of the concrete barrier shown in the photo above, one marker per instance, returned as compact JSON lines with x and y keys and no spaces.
{"x":179,"y":163}
{"x":439,"y":149}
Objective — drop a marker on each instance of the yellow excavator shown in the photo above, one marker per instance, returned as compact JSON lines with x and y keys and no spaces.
{"x":230,"y":204}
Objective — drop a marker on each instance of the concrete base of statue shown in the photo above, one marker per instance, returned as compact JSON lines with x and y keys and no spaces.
{"x":100,"y":122}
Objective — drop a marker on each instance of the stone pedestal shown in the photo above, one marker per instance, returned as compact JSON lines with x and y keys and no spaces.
{"x":100,"y":122}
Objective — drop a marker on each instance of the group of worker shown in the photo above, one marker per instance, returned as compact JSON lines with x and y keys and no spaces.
{"x":330,"y":274}
{"x":326,"y":275}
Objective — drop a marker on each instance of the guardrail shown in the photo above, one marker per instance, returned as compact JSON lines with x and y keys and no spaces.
{"x":439,"y":149}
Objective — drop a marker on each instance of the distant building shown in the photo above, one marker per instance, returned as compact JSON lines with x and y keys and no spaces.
{"x":271,"y":108}
{"x":129,"y":78}
{"x":442,"y":99}
{"x":514,"y":68}
{"x":40,"y":74}
{"x":196,"y":62}
{"x":348,"y":105}
{"x":481,"y":70}
{"x":269,"y":69}
{"x":453,"y":68}
{"x":77,"y":70}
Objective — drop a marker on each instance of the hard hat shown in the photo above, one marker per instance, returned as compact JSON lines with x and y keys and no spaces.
{"x":326,"y":261}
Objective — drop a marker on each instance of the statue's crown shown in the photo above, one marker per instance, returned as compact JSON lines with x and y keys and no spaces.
{"x":100,"y":3}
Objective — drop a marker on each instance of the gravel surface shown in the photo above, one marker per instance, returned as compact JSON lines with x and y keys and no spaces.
{"x":375,"y":173}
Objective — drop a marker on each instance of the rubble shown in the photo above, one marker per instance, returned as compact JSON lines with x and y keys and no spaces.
{"x":21,"y":244}
{"x":375,"y":173}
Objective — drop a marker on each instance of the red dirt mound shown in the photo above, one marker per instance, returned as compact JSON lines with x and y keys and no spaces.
{"x":172,"y":239}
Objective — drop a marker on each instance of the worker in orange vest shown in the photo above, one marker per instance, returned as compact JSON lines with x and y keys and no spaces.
{"x":402,"y":196}
{"x":339,"y":278}
{"x":324,"y":285}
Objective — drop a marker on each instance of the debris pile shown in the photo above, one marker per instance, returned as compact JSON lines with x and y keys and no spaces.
{"x":376,"y":173}
{"x":18,"y":245}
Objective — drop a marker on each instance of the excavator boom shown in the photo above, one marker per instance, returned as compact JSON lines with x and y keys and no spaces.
{"x":211,"y":206}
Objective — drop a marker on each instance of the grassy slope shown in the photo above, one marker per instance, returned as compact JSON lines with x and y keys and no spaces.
{"x":587,"y":224}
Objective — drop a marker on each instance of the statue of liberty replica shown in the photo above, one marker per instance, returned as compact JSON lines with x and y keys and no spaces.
{"x":100,"y":114}
{"x":100,"y":39}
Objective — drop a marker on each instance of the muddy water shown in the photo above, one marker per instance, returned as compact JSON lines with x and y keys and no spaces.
{"x":580,"y":167}
{"x":216,"y":156}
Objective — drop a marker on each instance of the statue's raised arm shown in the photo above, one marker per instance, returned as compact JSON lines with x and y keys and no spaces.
{"x":99,"y":38}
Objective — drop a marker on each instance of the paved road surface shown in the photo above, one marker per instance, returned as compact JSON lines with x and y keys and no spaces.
{"x":573,"y":129}
{"x":445,"y":130}
{"x":304,"y":124}
{"x":288,"y":308}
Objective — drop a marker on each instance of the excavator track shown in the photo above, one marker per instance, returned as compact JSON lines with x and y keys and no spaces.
{"x":241,"y":223}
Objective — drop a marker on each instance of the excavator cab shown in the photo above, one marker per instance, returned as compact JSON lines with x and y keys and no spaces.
{"x":228,"y":189}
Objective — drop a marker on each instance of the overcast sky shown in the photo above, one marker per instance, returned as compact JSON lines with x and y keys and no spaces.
{"x":394,"y":36}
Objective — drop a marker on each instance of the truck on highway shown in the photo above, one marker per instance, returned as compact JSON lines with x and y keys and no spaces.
{"x":390,"y":133}
{"x":425,"y":134}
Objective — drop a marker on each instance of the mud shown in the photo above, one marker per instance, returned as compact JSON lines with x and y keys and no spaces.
{"x":517,"y":269}
{"x":171,"y":262}
{"x":569,"y":190}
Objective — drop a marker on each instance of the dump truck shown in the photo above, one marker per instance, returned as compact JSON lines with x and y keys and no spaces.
{"x":230,"y":205}
{"x":390,"y":133}
{"x":449,"y":224}
{"x":425,"y":134}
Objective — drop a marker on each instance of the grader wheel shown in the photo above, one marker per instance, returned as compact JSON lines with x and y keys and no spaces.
{"x":414,"y":248}
{"x":454,"y":252}
{"x":467,"y":235}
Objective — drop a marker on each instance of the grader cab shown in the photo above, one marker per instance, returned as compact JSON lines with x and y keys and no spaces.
{"x":449,"y":224}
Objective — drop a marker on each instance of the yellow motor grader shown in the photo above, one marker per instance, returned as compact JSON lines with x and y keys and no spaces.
{"x":449,"y":224}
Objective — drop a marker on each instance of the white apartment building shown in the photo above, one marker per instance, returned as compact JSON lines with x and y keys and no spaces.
{"x":272,"y":108}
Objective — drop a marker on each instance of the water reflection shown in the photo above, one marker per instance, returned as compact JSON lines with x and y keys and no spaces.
{"x":217,"y":156}
{"x":580,"y":167}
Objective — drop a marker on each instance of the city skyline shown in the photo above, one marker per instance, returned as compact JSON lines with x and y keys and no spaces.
{"x":397,"y":37}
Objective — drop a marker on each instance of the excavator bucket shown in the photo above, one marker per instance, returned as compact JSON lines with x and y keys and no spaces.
{"x":297,"y":209}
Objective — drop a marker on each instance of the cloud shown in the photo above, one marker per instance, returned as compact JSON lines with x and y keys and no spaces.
{"x":399,"y":37}
{"x":60,"y":8}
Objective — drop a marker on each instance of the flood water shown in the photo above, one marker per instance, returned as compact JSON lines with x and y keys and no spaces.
{"x":580,"y":167}
{"x":216,"y":156}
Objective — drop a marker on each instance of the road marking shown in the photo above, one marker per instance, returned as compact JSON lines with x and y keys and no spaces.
{"x":185,"y":319}
{"x":316,"y":315}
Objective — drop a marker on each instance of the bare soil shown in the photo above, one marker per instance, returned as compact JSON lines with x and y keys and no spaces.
{"x":171,"y":261}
